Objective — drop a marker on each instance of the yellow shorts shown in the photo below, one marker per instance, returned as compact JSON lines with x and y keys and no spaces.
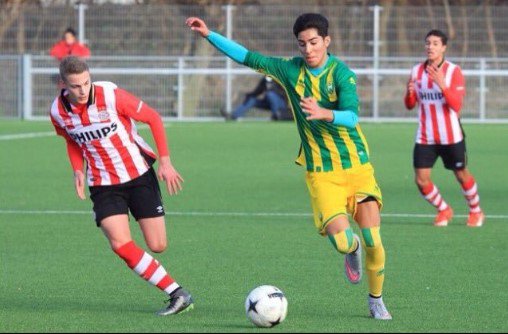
{"x":338,"y":192}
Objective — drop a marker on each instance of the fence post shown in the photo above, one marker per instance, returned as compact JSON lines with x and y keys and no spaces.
{"x":20,"y":87}
{"x":181,"y":65}
{"x":483,"y":88}
{"x":229,"y":62}
{"x":375,"y":81}
{"x":27,"y":86}
{"x":81,"y":22}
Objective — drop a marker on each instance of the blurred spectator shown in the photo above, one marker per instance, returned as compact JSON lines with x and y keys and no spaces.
{"x":267,"y":95}
{"x":69,"y":46}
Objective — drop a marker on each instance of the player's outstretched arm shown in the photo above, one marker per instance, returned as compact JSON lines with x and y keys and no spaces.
{"x":229,"y":47}
{"x":129,"y":105}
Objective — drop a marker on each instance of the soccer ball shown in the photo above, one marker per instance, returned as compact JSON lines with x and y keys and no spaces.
{"x":266,"y":306}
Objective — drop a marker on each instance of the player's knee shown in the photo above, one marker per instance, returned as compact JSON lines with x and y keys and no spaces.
{"x":344,"y":241}
{"x":422,"y":182}
{"x":117,"y":244}
{"x":158,"y":246}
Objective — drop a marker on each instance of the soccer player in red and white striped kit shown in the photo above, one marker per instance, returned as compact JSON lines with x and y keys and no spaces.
{"x":438,"y":86}
{"x":97,"y":120}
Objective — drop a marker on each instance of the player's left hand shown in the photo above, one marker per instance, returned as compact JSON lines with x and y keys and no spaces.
{"x":199,"y":25}
{"x":169,"y":175}
{"x":79,"y":184}
{"x":314,"y":111}
{"x":436,"y":75}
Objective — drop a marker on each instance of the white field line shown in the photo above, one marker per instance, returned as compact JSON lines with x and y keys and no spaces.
{"x":225,"y":214}
{"x":28,"y":135}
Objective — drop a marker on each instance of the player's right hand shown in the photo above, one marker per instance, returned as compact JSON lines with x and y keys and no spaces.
{"x":197,"y":24}
{"x":79,"y":183}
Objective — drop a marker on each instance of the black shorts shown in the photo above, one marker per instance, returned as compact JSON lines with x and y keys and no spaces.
{"x":454,"y":156}
{"x":142,"y":196}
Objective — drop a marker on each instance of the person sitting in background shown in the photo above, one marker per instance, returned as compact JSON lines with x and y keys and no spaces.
{"x":69,"y":46}
{"x":267,"y":95}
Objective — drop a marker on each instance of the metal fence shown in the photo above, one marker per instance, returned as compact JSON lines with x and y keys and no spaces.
{"x":10,"y":91}
{"x":181,"y":88}
{"x":148,"y":50}
{"x":159,"y":30}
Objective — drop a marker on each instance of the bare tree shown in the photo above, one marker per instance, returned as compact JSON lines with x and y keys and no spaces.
{"x":383,"y":26}
{"x":10,"y":10}
{"x":449,"y":23}
{"x":196,"y":46}
{"x":465,"y":29}
{"x":490,"y":28}
{"x":430,"y":13}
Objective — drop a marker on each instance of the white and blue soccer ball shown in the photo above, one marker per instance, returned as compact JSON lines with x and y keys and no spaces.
{"x":266,"y":306}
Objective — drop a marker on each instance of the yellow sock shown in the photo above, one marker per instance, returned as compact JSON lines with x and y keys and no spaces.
{"x":375,"y":260}
{"x":344,"y":241}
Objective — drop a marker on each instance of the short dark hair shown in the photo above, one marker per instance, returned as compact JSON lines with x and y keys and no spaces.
{"x":72,"y":65}
{"x":438,"y":33}
{"x":69,"y":31}
{"x":311,"y":20}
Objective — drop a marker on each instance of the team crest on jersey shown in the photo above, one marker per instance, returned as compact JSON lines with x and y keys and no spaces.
{"x":103,"y":115}
{"x":330,"y":87}
{"x":67,"y":122}
{"x":300,"y":85}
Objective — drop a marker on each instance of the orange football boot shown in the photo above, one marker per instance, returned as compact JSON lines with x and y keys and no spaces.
{"x":443,"y":217}
{"x":475,"y":219}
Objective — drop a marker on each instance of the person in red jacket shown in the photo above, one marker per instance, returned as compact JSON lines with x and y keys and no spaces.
{"x":69,"y":46}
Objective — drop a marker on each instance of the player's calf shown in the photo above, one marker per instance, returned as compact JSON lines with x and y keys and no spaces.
{"x":374,"y":259}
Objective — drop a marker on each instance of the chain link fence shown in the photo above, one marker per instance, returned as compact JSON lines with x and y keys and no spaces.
{"x":148,"y":50}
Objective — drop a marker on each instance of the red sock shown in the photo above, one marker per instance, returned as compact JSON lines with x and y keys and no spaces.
{"x":432,"y":195}
{"x":470,"y":191}
{"x":147,"y":267}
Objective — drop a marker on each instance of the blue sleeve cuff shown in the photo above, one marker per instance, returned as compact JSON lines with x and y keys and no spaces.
{"x":345,"y":118}
{"x":229,"y":47}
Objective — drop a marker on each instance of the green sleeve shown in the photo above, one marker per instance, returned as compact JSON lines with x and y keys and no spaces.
{"x":273,"y":66}
{"x":346,"y":91}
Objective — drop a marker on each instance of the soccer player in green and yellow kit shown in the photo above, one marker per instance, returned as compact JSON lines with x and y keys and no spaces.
{"x":322,"y":93}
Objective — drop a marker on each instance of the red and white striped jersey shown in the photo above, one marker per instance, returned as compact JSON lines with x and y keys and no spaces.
{"x":106,"y":133}
{"x":439,"y":110}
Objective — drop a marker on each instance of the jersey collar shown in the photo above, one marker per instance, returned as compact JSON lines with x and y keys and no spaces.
{"x":426,"y":63}
{"x":67,"y":104}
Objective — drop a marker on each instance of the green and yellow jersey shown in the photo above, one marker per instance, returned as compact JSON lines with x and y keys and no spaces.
{"x":325,"y":147}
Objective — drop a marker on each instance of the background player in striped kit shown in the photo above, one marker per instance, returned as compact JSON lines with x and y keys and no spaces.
{"x":322,"y":94}
{"x":438,"y":86}
{"x":97,"y":122}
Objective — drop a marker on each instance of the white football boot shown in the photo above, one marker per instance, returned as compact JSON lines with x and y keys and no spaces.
{"x":378,"y":309}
